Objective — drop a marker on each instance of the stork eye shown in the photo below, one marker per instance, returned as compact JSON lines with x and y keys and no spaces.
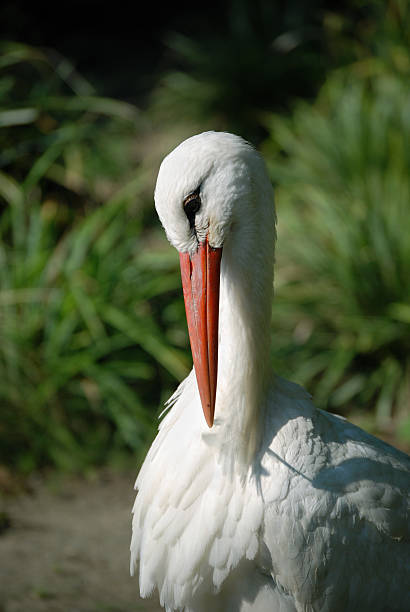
{"x":192,"y":204}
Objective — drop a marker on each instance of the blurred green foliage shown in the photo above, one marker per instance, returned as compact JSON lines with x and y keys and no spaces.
{"x":257,"y":58}
{"x":92,"y":331}
{"x":344,"y":198}
{"x":87,"y":343}
{"x":342,"y":167}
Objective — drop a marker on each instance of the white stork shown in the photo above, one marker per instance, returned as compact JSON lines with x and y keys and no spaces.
{"x":273,"y":505}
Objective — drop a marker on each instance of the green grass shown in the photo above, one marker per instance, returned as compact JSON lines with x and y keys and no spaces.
{"x":90,"y":338}
{"x":343,"y":289}
{"x":83,"y":351}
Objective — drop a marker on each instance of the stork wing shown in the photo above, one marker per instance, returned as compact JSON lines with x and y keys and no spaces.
{"x":336,"y":529}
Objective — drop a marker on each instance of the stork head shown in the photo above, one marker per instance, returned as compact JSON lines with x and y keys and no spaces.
{"x":204,"y":192}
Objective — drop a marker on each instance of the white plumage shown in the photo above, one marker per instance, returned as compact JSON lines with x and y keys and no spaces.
{"x":279,"y":506}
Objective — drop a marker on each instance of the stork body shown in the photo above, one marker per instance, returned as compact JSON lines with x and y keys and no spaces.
{"x":279,"y":506}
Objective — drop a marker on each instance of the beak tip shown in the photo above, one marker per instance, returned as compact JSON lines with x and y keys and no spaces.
{"x":208,"y":411}
{"x":210,"y":421}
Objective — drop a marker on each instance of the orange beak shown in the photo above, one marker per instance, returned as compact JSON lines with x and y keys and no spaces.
{"x":200,"y":283}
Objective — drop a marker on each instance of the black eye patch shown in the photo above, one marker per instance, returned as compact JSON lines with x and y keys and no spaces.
{"x":192,"y":204}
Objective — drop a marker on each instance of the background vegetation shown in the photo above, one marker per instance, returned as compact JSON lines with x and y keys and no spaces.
{"x":92,"y":330}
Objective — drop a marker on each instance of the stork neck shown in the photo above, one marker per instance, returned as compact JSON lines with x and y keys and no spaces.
{"x":244,"y":337}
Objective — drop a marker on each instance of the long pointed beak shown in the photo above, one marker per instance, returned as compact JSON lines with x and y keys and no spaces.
{"x":200,"y":283}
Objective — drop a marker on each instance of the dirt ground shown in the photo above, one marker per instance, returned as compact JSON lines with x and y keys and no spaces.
{"x":64,"y":547}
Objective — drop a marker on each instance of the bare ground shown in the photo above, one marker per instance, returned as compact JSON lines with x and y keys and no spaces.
{"x":64,"y":547}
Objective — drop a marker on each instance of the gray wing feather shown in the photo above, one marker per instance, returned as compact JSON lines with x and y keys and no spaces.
{"x":338,"y":534}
